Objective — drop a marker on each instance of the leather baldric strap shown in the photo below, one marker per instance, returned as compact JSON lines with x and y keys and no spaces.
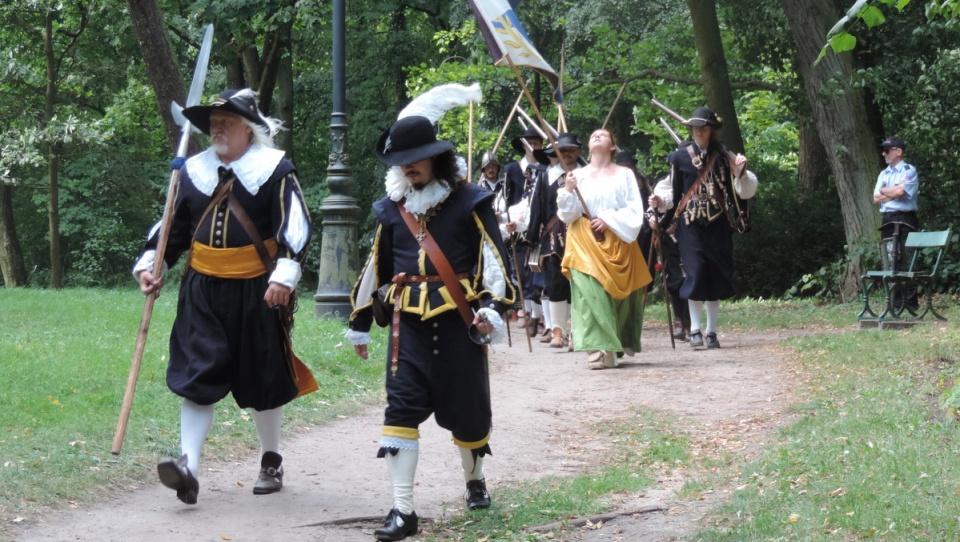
{"x":696,"y":185}
{"x":429,"y":245}
{"x":302,"y":377}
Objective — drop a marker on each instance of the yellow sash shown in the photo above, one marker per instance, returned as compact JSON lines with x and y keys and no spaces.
{"x":230,"y":263}
{"x":618,"y":266}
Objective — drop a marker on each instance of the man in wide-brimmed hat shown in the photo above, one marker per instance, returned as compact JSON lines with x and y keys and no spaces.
{"x":548,"y":232}
{"x":230,"y":332}
{"x":433,"y":366}
{"x":896,"y":194}
{"x":519,"y":179}
{"x":709,"y":184}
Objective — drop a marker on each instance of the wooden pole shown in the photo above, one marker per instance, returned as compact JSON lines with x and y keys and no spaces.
{"x":470,"y":147}
{"x":553,"y":141}
{"x":506,"y":125}
{"x":147,"y":313}
{"x":599,"y":236}
{"x":614,"y":106}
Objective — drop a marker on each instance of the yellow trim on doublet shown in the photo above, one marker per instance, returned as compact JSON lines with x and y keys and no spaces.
{"x":400,"y":432}
{"x":472,"y":445}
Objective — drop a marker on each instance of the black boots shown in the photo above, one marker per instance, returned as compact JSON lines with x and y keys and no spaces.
{"x":397,"y":526}
{"x":176,"y":475}
{"x":271,"y":474}
{"x":477,"y":496}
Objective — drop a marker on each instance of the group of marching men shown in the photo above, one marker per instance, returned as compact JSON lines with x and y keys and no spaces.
{"x":438,"y":273}
{"x":526,"y":192}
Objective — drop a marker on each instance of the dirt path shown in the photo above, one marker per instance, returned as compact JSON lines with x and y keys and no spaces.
{"x":545,"y":405}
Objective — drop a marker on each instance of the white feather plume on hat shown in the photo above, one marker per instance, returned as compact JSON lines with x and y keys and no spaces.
{"x":433,"y":103}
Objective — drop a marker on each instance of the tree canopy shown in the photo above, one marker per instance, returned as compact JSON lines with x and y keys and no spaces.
{"x":83,"y":139}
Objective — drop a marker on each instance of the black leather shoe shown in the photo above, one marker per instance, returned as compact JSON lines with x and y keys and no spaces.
{"x":271,"y":474}
{"x":477,"y":495}
{"x":696,"y":339}
{"x":175,"y":475}
{"x":712,"y":341}
{"x":397,"y":526}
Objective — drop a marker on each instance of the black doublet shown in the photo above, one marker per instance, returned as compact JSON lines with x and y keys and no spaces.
{"x":225,"y":339}
{"x":440,"y":370}
{"x":706,"y":243}
{"x":550,"y":233}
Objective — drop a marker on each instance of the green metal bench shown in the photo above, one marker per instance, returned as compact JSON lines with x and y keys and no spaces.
{"x":927,"y":249}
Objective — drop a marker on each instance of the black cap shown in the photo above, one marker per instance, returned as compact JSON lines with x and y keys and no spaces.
{"x":241,"y":102}
{"x":893,"y":141}
{"x":625,"y":158}
{"x":566,"y":140}
{"x":410,"y":140}
{"x":704,"y":116}
{"x":529,"y":133}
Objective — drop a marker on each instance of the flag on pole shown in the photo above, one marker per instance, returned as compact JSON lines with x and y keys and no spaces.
{"x":505,"y":35}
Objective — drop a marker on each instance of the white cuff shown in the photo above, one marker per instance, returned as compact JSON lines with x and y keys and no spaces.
{"x":287,"y":273}
{"x":499,"y":329}
{"x":357,"y":338}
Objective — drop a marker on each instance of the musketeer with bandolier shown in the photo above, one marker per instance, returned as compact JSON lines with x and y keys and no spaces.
{"x":711,"y":186}
{"x":439,"y":264}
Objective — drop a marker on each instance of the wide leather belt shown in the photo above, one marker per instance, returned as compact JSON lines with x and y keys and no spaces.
{"x":399,"y":280}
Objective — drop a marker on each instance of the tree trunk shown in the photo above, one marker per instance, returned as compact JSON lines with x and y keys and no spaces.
{"x":813,"y":163}
{"x":11,"y":255}
{"x":53,"y":154}
{"x":285,"y":105}
{"x":713,"y":69}
{"x":842,"y":124}
{"x":162,"y":69}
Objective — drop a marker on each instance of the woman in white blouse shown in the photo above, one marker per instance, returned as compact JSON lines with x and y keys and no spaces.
{"x":602,"y":206}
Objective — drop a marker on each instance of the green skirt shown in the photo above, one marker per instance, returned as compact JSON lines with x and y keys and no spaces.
{"x":600,"y":322}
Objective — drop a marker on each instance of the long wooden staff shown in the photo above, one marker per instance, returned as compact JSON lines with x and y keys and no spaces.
{"x":614,"y":106}
{"x":193,"y":98}
{"x":513,"y":248}
{"x":657,"y":241}
{"x":553,"y":141}
{"x":470,"y":146}
{"x":506,"y":125}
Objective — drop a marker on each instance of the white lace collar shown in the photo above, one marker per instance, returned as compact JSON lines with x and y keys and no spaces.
{"x":418,"y":201}
{"x":252,"y":169}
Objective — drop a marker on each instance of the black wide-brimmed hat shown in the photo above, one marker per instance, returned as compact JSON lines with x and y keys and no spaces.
{"x":893,"y":141}
{"x":703,"y":116}
{"x":625,"y":158}
{"x":241,"y":102}
{"x":529,"y":133}
{"x":409,"y":140}
{"x":567,"y":140}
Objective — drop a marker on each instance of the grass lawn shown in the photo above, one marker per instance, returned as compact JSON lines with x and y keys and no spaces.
{"x":64,"y":360}
{"x":870,"y":455}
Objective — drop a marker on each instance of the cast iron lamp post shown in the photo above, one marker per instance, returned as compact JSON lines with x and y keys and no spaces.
{"x":338,"y":248}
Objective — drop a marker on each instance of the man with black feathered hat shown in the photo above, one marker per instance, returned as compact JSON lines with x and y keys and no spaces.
{"x":433,"y":364}
{"x":230,"y":332}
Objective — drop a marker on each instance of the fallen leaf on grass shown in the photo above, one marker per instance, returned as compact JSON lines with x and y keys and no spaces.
{"x":839,"y":492}
{"x":793,"y":518}
{"x":76,"y":443}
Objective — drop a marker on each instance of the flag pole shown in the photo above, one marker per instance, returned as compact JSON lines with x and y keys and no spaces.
{"x":553,"y":141}
{"x":561,"y":118}
{"x":506,"y":125}
{"x":470,"y":146}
